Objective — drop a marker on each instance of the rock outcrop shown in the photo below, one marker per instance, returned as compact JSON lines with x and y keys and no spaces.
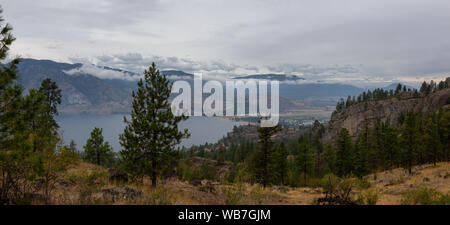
{"x":356,"y":116}
{"x":121,"y":192}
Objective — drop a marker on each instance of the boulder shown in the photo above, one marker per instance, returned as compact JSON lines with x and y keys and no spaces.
{"x":29,"y":198}
{"x":195,"y":182}
{"x":208,"y":187}
{"x":121,"y":192}
{"x":62,"y":183}
{"x":413,"y":173}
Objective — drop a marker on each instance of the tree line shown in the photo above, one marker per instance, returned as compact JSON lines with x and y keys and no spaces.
{"x":30,"y":145}
{"x":380,"y":93}
{"x":32,"y":150}
{"x":415,"y":139}
{"x":33,"y":155}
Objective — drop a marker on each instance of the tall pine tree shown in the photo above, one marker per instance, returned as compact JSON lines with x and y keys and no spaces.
{"x":361,"y":162}
{"x":344,"y":159}
{"x":152,"y":133}
{"x":329,"y":159}
{"x":409,"y":141}
{"x":305,"y":158}
{"x":263,"y":157}
{"x":280,"y":160}
{"x":432,"y":142}
{"x":10,"y":92}
{"x":97,"y":150}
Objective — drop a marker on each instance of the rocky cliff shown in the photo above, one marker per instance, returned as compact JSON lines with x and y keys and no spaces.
{"x":354,"y":117}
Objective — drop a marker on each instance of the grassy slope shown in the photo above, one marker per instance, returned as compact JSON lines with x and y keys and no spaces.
{"x":390,"y":184}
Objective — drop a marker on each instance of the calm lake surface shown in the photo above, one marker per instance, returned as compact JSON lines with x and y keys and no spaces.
{"x":79,"y":127}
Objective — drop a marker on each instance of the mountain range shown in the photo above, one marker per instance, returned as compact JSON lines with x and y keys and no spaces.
{"x":84,"y":92}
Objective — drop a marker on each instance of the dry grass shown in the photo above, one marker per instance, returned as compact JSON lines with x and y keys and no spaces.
{"x":86,"y":182}
{"x":394,"y":183}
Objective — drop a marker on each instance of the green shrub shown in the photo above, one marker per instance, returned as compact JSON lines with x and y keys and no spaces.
{"x":425,"y":196}
{"x":204,"y":172}
{"x":158,"y":197}
{"x":234,"y":194}
{"x":256,"y":195}
{"x":90,"y":183}
{"x":363,"y":184}
{"x":337,"y":190}
{"x":71,"y":177}
{"x":369,"y":197}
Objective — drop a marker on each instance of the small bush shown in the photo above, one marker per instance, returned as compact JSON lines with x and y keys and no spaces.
{"x":396,"y":180}
{"x":71,"y":177}
{"x":369,"y":197}
{"x":257,"y":195}
{"x":157,"y":197}
{"x":234,"y":194}
{"x":363,"y":184}
{"x":337,"y":190}
{"x":425,"y":196}
{"x":241,"y":175}
{"x":90,"y":183}
{"x":283,"y":189}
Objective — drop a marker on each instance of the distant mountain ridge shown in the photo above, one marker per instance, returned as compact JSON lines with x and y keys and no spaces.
{"x":82,"y":93}
{"x":86,"y":93}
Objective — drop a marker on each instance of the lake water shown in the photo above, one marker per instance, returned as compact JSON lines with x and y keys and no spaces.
{"x":79,"y":127}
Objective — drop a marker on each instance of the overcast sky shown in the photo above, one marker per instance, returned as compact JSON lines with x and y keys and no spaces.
{"x":359,"y":41}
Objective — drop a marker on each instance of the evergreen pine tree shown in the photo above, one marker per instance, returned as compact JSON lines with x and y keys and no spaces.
{"x":52,"y":95}
{"x":361,"y":156}
{"x":344,"y":155}
{"x":444,"y":132}
{"x":409,"y":141}
{"x":398,"y":89}
{"x":152,"y":133}
{"x":390,"y":146}
{"x":280,"y":161}
{"x":264,"y":155}
{"x":423,"y":88}
{"x":35,"y":119}
{"x":305,"y":158}
{"x":432,"y":142}
{"x":374,"y":146}
{"x":10,"y":93}
{"x":221,"y":155}
{"x":97,"y":150}
{"x":316,"y":135}
{"x":329,"y":159}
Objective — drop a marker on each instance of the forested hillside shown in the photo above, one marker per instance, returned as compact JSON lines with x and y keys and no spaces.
{"x":376,"y":131}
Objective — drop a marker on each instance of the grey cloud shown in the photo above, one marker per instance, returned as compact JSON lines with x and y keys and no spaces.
{"x":348,"y":40}
{"x":309,"y":69}
{"x":136,"y":62}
